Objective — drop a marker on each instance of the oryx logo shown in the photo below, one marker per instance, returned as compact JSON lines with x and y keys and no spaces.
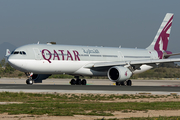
{"x":161,"y":44}
{"x":126,"y":73}
{"x":163,"y":38}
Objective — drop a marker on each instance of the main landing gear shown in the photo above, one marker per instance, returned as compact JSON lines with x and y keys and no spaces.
{"x":124,"y":83}
{"x":78,"y":81}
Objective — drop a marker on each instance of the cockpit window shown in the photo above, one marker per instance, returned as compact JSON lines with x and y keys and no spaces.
{"x":24,"y":53}
{"x":12,"y":52}
{"x":16,"y":52}
{"x":19,"y":52}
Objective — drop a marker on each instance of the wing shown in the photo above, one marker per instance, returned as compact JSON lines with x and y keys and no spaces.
{"x":133,"y":62}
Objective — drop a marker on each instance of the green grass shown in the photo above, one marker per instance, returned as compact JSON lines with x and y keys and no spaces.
{"x":71,"y":104}
{"x":156,"y":118}
{"x":147,"y":118}
{"x":30,"y":97}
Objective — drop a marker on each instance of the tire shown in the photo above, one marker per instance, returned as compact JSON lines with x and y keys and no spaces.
{"x":78,"y":82}
{"x":73,"y":82}
{"x":129,"y":83}
{"x":122,"y":83}
{"x":118,"y":84}
{"x":83,"y":82}
{"x":29,"y":81}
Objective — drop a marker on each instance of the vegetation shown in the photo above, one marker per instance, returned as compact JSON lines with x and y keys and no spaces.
{"x":72,"y":104}
{"x":147,"y":118}
{"x":161,"y":72}
{"x":5,"y":69}
{"x":155,"y":118}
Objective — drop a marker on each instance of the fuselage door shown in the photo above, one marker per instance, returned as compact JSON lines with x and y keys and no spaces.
{"x":37,"y":53}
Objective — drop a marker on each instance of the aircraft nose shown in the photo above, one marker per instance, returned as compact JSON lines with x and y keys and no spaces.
{"x":11,"y":61}
{"x":15,"y":63}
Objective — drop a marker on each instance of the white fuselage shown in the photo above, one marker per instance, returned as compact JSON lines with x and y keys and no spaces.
{"x":59,"y":59}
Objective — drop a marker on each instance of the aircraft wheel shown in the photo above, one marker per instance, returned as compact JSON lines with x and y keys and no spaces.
{"x":122,"y":83}
{"x":78,"y":82}
{"x":118,"y":84}
{"x":29,"y":81}
{"x":83,"y":82}
{"x":129,"y":83}
{"x":73,"y":82}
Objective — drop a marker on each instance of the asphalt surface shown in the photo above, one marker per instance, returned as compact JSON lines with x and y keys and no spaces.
{"x":95,"y":86}
{"x":90,"y":87}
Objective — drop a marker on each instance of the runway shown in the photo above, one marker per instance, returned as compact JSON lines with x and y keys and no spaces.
{"x":90,"y":87}
{"x":141,"y":86}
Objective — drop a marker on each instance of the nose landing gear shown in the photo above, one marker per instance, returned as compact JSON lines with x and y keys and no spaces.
{"x":29,"y":81}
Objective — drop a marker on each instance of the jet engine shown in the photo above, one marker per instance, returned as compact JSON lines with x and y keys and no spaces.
{"x":37,"y":78}
{"x":119,"y":73}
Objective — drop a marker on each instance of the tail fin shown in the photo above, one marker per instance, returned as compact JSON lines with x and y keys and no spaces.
{"x":161,"y":39}
{"x":7,"y":52}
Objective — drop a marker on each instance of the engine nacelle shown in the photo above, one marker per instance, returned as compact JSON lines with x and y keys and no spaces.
{"x":37,"y":78}
{"x":119,"y":73}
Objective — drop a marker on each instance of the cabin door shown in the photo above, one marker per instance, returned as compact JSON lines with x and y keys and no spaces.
{"x":37,"y":53}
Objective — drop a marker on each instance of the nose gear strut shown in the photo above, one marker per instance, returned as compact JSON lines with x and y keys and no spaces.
{"x":29,"y":81}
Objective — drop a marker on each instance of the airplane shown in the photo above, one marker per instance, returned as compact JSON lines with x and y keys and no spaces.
{"x":39,"y":61}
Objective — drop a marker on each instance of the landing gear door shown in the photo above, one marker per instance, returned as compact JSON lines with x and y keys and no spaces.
{"x":37,"y":53}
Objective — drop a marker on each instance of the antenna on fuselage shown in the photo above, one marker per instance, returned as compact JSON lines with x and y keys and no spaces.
{"x":38,"y":42}
{"x":51,"y":43}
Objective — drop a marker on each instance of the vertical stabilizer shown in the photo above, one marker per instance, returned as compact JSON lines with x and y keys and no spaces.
{"x":7,"y":52}
{"x":161,"y":39}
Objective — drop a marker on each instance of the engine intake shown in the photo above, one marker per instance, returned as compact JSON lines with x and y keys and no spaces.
{"x":119,"y":73}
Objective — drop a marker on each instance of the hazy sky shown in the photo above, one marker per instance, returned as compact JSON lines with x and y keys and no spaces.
{"x":129,"y":23}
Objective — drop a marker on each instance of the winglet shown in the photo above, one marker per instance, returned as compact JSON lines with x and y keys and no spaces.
{"x":7,"y":52}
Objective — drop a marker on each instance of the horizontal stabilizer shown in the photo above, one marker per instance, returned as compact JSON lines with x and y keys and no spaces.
{"x":168,"y":55}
